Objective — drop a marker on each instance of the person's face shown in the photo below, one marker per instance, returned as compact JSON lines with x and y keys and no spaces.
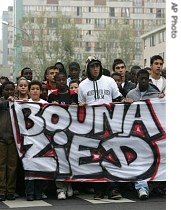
{"x":74,"y":86}
{"x":61,"y":81}
{"x":74,"y":73}
{"x":143,"y":81}
{"x":120,"y":68}
{"x":8,"y":91}
{"x":35,"y":92}
{"x":157,"y":66}
{"x":22,"y":86}
{"x":27,"y":73}
{"x":118,"y":80}
{"x":51,"y":74}
{"x":44,"y":92}
{"x":95,"y":70}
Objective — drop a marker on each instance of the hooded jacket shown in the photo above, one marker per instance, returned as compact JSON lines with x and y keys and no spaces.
{"x":100,"y":90}
{"x":93,"y":60}
{"x":151,"y":92}
{"x":90,"y":61}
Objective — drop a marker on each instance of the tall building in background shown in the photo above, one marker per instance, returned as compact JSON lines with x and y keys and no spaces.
{"x":154,"y":42}
{"x":91,"y":17}
{"x":7,"y":44}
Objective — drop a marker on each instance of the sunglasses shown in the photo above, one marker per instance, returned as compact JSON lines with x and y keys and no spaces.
{"x":120,"y":67}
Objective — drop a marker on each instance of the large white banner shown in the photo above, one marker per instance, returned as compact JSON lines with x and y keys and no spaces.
{"x":115,"y":142}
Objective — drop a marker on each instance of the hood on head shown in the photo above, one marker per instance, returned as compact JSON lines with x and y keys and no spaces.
{"x":92,"y":60}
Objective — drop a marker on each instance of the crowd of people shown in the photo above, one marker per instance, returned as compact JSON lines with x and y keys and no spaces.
{"x":73,"y":87}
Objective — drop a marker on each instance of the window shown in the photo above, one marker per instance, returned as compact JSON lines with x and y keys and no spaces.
{"x":152,"y":41}
{"x":79,"y":34}
{"x":100,"y":23}
{"x":112,"y":12}
{"x":138,"y":10}
{"x":160,"y":1}
{"x":161,"y":37}
{"x":159,"y":13}
{"x":88,"y":20}
{"x":138,"y":45}
{"x":79,"y":11}
{"x":145,"y":62}
{"x":97,"y":47}
{"x":52,"y":22}
{"x":88,"y":46}
{"x":137,"y":57}
{"x":137,"y":2}
{"x":113,"y":21}
{"x":162,"y":55}
{"x":89,"y":32}
{"x":138,"y":24}
{"x":52,"y":1}
{"x":125,"y":12}
{"x":51,"y":32}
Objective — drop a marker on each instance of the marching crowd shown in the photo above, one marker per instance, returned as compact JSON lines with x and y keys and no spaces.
{"x":94,"y":85}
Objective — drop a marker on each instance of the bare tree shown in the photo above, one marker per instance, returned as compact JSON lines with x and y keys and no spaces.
{"x":48,"y":39}
{"x":117,"y":41}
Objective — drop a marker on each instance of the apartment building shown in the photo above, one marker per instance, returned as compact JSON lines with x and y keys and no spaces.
{"x":154,"y":43}
{"x":91,"y":17}
{"x":7,"y":52}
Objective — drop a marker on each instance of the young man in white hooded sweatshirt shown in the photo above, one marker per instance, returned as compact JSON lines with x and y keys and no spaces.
{"x":100,"y":89}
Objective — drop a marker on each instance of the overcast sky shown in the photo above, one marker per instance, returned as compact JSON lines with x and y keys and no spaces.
{"x":4,"y":7}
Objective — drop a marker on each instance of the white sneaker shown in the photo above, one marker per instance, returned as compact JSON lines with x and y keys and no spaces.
{"x":69,"y":190}
{"x":61,"y":195}
{"x":143,"y":194}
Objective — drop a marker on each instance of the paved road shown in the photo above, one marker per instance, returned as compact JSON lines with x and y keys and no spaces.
{"x":86,"y":202}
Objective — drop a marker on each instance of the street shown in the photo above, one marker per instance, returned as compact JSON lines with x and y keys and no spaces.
{"x":129,"y":201}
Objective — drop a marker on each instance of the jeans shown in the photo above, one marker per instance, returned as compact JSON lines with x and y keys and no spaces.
{"x":142,"y":184}
{"x":34,"y":187}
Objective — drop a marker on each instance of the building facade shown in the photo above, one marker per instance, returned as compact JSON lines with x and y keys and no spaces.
{"x":154,"y":43}
{"x":91,"y":17}
{"x":7,"y":47}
